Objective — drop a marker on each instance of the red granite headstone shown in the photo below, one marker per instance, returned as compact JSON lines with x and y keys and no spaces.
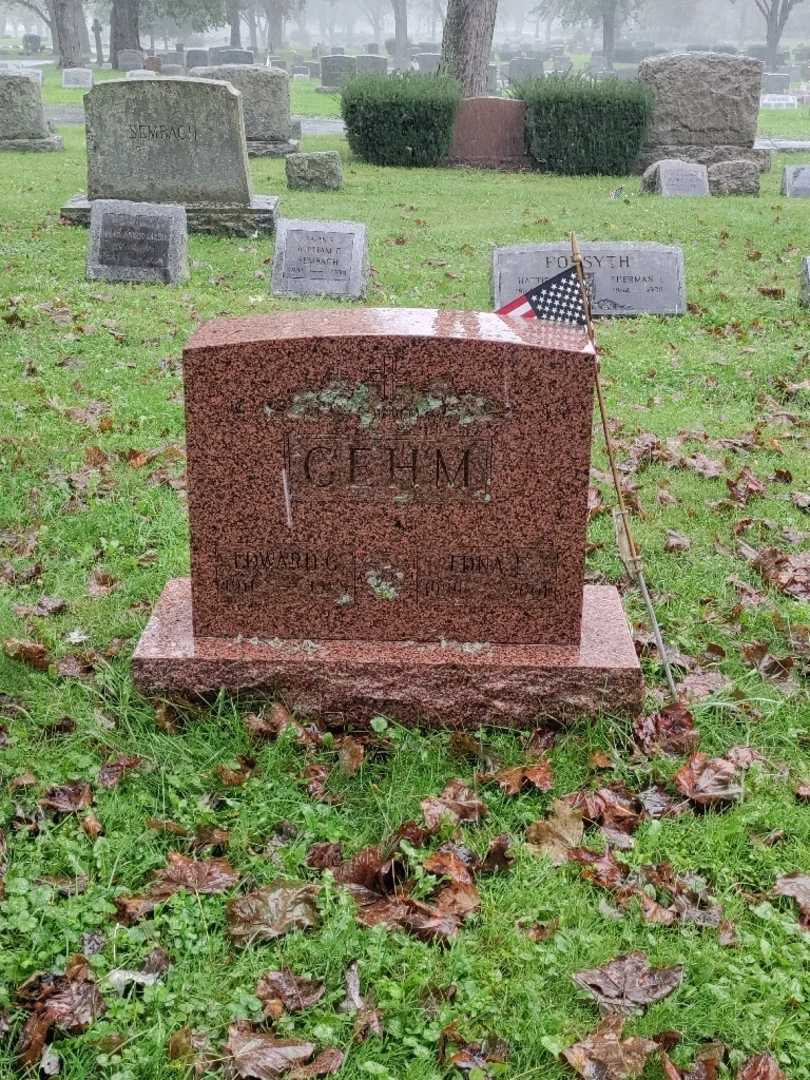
{"x":490,"y":133}
{"x":370,"y":488}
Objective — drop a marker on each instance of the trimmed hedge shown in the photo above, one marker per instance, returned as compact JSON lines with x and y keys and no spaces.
{"x":402,"y":119}
{"x":579,"y":127}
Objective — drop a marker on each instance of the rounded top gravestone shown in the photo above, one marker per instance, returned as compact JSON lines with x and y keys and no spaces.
{"x":167,"y":140}
{"x":265,"y":97}
{"x":21,"y":114}
{"x":129,"y":60}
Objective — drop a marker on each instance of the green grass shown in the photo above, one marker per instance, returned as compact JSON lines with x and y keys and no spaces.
{"x":721,"y":369}
{"x":789,"y":123}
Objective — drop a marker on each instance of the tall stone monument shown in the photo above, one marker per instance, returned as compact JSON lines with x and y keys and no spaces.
{"x":706,"y":108}
{"x":179,"y":141}
{"x":22,"y":119}
{"x":265,"y":103}
{"x":388,"y":514}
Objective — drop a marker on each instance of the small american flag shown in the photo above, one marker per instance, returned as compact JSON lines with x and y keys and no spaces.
{"x":558,"y":300}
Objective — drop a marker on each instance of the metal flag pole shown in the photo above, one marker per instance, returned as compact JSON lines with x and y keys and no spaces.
{"x":628,"y":552}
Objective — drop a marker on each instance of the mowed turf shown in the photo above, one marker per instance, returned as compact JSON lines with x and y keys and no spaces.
{"x":91,"y":437}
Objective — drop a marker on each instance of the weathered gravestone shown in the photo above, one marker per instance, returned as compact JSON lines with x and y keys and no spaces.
{"x":230,"y":56}
{"x":706,"y":108}
{"x":77,"y":78}
{"x":129,"y":60}
{"x":625,"y":277}
{"x":674,"y":178}
{"x":734,"y":178}
{"x":774,"y":82}
{"x":178,"y":141}
{"x":804,"y":283}
{"x":172,"y":70}
{"x":314,"y":69}
{"x":490,"y":133}
{"x":318,"y":171}
{"x":22,"y":119}
{"x":336,"y":70}
{"x":173,"y":57}
{"x":428,"y":63}
{"x":388,"y":514}
{"x":525,"y":67}
{"x":196,"y":58}
{"x":265,"y":103}
{"x":138,"y":242}
{"x":320,"y":258}
{"x":367,"y":64}
{"x":141,"y":73}
{"x":796,"y":181}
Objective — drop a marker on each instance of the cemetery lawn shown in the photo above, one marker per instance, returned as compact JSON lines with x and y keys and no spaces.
{"x":92,"y":514}
{"x":786,"y":123}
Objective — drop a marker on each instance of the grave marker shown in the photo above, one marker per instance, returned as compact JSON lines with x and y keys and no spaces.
{"x":265,"y":104}
{"x":674,"y":178}
{"x":796,"y":181}
{"x":336,"y":70}
{"x":626,"y":277}
{"x":320,"y":258}
{"x":369,"y":490}
{"x":139,"y":242}
{"x":22,"y":119}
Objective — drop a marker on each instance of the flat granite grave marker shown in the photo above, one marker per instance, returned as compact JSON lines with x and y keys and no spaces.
{"x":388,"y":514}
{"x":320,"y":258}
{"x":138,"y":242}
{"x":179,"y":141}
{"x":22,"y":119}
{"x":672,"y":178}
{"x":625,"y":277}
{"x":796,"y":181}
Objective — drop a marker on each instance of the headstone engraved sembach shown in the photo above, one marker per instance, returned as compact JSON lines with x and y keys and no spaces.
{"x":175,"y":140}
{"x":388,"y":514}
{"x":320,"y":258}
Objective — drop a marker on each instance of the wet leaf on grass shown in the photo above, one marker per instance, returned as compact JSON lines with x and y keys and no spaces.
{"x":706,"y":1067}
{"x":708,"y":781}
{"x":796,"y":886}
{"x":698,"y":685}
{"x":368,"y":1019}
{"x":193,"y":1048}
{"x":70,"y":1001}
{"x":538,"y":931}
{"x":181,"y":874}
{"x":471,"y":1057}
{"x":67,"y":798}
{"x":271,"y":911}
{"x":517,"y":778}
{"x":110,"y":773}
{"x":790,"y":574}
{"x":467,"y":747}
{"x":669,"y":731}
{"x":628,"y":983}
{"x":256,"y":1055}
{"x":557,"y":834}
{"x":327,"y":1063}
{"x":155,"y":966}
{"x":282,"y":991}
{"x":31,"y":653}
{"x":402,"y":913}
{"x":351,"y":754}
{"x":605,"y":1055}
{"x":45,"y":606}
{"x":456,"y":803}
{"x":676,"y":542}
{"x":239,"y":776}
{"x":761,"y":1067}
{"x":498,"y":855}
{"x":325,"y":855}
{"x":100,"y":583}
{"x":744,"y":487}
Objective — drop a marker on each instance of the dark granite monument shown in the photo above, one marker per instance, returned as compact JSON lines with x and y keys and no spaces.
{"x":388,"y":514}
{"x":137,"y":242}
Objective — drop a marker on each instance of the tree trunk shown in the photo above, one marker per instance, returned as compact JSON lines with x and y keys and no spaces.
{"x":253,"y":29}
{"x":124,"y":27}
{"x":608,"y":32}
{"x":275,"y":25}
{"x":235,"y":23}
{"x":466,"y":43}
{"x":99,"y":45}
{"x":81,"y":23}
{"x":402,"y":60}
{"x":65,"y":30}
{"x":774,"y":33}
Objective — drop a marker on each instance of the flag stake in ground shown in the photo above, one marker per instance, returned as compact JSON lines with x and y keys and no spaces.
{"x":628,"y":551}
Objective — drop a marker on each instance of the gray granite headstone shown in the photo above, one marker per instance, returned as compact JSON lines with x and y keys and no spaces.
{"x":796,"y":181}
{"x":336,"y":70}
{"x":196,"y":58}
{"x":804,"y":286}
{"x":368,"y":64}
{"x":22,"y":118}
{"x":172,"y":70}
{"x":265,"y":103}
{"x":139,"y":242}
{"x":625,"y":277}
{"x":172,"y":141}
{"x":318,"y":171}
{"x":774,"y":82}
{"x":428,"y":62}
{"x":672,"y":177}
{"x":129,"y":60}
{"x":525,"y":67}
{"x":320,"y":258}
{"x":77,"y":79}
{"x":230,"y":56}
{"x":141,"y":73}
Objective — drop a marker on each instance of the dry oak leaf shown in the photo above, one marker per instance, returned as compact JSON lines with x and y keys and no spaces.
{"x":698,"y":685}
{"x":271,"y":911}
{"x":669,"y":731}
{"x":761,"y":1067}
{"x":517,"y":778}
{"x":282,"y":991}
{"x":604,"y":1055}
{"x":556,"y":835}
{"x":67,"y":798}
{"x":708,"y":781}
{"x":796,"y":886}
{"x":457,"y":803}
{"x":256,"y":1055}
{"x":628,"y":983}
{"x":31,"y":653}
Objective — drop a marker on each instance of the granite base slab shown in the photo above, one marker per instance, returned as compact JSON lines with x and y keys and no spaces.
{"x":258,"y":148}
{"x":434,"y":684}
{"x":49,"y":143}
{"x":259,"y":216}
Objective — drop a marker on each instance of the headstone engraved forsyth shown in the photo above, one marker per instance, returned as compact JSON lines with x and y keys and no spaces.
{"x":626,"y":278}
{"x":22,"y":119}
{"x":796,"y":181}
{"x":371,"y":489}
{"x":142,"y":242}
{"x":320,"y":258}
{"x":179,"y":141}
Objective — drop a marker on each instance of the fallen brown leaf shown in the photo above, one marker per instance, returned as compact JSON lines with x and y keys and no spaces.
{"x":669,"y":731}
{"x":271,"y":911}
{"x":67,"y":798}
{"x":708,"y":781}
{"x":256,"y":1055}
{"x":282,"y":991}
{"x":557,"y":834}
{"x":456,"y":803}
{"x":604,"y":1055}
{"x":70,"y":1001}
{"x":761,"y":1067}
{"x":31,"y":653}
{"x":517,"y":778}
{"x":110,"y":773}
{"x":796,"y":886}
{"x":628,"y":983}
